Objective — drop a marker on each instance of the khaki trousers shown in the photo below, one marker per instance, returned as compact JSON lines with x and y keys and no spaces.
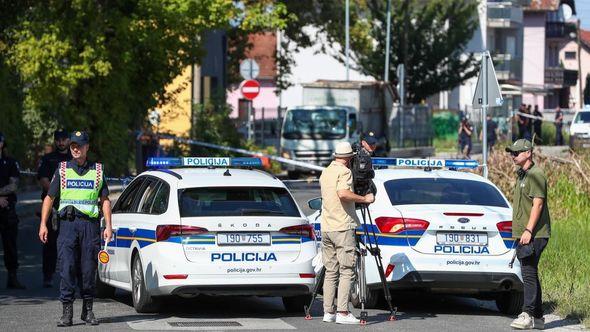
{"x":339,"y":256}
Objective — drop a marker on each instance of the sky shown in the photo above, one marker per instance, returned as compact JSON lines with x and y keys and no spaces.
{"x":583,"y":10}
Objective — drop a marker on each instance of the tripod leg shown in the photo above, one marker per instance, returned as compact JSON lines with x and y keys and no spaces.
{"x":319,"y":283}
{"x":362,"y":284}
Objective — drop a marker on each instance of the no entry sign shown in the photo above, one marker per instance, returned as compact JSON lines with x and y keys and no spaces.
{"x":250,"y":89}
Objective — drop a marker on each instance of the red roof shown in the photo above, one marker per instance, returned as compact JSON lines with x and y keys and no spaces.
{"x":543,"y":5}
{"x":585,"y":37}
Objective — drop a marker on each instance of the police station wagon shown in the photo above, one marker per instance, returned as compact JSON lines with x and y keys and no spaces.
{"x":441,"y":230}
{"x":214,"y":230}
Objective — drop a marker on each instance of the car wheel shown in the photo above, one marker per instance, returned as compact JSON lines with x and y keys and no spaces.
{"x":296,"y":303}
{"x":371,"y":301}
{"x":103,"y":290}
{"x":143,"y":302}
{"x":510,"y":303}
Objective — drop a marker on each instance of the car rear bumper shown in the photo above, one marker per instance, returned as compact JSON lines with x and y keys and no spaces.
{"x":258,"y":289}
{"x":458,"y":282}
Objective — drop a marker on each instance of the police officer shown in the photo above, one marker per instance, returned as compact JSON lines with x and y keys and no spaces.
{"x":47,"y":167}
{"x":82,"y":191}
{"x":362,"y":165}
{"x":532,"y":225}
{"x":9,"y":175}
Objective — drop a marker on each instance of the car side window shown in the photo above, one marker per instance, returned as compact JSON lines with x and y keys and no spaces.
{"x":125,"y":202}
{"x":160,"y":204}
{"x":147,"y":200}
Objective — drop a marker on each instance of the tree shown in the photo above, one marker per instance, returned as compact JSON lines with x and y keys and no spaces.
{"x":429,"y":37}
{"x":100,"y":65}
{"x":587,"y":91}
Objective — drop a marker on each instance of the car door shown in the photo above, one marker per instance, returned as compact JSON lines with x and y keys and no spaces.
{"x":123,"y":212}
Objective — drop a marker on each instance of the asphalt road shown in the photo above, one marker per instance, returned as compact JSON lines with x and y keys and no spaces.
{"x":37,"y":308}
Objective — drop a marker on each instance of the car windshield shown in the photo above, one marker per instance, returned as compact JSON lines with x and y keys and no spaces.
{"x":316,"y":124}
{"x":443,"y":191}
{"x":237,"y":201}
{"x":582,"y":117}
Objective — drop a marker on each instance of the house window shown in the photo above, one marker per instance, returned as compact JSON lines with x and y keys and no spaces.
{"x":570,"y":55}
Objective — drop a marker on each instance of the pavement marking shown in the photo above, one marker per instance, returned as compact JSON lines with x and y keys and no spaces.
{"x":208,"y":324}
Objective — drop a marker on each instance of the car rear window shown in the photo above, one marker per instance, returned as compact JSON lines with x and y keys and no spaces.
{"x":443,"y":191}
{"x":237,"y":201}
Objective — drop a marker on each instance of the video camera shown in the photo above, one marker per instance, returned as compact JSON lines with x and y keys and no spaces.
{"x":361,"y":166}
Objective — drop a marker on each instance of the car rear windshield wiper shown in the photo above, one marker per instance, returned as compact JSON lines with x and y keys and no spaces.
{"x":260,"y":212}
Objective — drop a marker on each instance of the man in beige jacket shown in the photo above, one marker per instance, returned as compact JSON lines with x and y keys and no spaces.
{"x":339,"y":221}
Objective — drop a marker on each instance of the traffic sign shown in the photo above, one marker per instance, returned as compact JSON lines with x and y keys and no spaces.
{"x":494,"y":94}
{"x":250,"y":89}
{"x":249,"y":69}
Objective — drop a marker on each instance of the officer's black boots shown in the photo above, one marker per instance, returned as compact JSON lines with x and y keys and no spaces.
{"x":12,"y":281}
{"x":87,"y":314}
{"x":68,"y":315}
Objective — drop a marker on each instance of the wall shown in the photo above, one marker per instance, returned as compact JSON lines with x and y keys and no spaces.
{"x":533,"y":72}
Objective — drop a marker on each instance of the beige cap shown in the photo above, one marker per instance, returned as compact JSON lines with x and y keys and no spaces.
{"x":343,"y":150}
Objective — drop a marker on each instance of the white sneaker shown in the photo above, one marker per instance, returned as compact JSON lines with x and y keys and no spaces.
{"x":539,"y":323}
{"x":346,"y":319}
{"x":329,"y":318}
{"x":523,"y":322}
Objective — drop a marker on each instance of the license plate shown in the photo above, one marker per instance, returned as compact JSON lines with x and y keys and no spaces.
{"x":476,"y":239}
{"x":243,"y":239}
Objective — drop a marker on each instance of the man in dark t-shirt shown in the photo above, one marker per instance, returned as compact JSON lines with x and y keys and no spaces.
{"x":47,"y":167}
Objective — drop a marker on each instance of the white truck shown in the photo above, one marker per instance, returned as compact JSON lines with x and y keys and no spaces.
{"x":333,"y":112}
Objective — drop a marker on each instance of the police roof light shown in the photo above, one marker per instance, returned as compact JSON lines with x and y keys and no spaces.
{"x":157,"y":162}
{"x":417,"y":162}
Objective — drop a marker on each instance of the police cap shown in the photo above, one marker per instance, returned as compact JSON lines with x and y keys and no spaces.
{"x":370,"y":138}
{"x":79,"y":137}
{"x":520,"y":146}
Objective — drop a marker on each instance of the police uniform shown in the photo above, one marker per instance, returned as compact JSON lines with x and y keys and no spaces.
{"x":9,"y":219}
{"x":79,"y":188}
{"x":47,"y":166}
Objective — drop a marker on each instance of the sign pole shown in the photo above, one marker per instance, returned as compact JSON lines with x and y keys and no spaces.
{"x":249,"y":120}
{"x":484,"y":108}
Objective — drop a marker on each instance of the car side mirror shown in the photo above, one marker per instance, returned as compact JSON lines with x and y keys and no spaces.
{"x":315,"y":204}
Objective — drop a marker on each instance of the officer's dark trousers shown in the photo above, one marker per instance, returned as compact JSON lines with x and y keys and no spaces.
{"x":558,"y":135}
{"x":50,"y":252}
{"x":78,"y":243}
{"x":533,"y":303}
{"x":9,"y":233}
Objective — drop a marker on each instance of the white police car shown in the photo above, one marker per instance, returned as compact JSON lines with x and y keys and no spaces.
{"x":441,"y":231}
{"x":213,"y":230}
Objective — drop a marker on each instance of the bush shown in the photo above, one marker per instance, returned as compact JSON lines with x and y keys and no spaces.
{"x":445,"y":123}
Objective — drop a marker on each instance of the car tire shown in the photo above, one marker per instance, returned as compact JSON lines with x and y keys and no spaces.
{"x":372,"y":300}
{"x":296,"y":303}
{"x":510,"y":303}
{"x":143,"y":302}
{"x":103,"y":290}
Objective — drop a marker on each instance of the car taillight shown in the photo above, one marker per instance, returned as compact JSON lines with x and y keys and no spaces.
{"x":396,"y":224}
{"x":302,"y":230}
{"x":505,"y":226}
{"x":163,"y":232}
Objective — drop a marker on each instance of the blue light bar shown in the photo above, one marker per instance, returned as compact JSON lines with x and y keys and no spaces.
{"x":418,"y":162}
{"x":157,"y":162}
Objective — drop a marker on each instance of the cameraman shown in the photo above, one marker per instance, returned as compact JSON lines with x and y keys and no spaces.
{"x":338,"y":224}
{"x":362,"y":165}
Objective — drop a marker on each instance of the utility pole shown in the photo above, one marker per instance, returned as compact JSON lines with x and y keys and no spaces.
{"x":347,"y":39}
{"x":387,"y":38}
{"x":484,"y":108}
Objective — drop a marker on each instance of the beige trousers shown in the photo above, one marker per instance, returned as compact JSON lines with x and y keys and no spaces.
{"x":339,"y":256}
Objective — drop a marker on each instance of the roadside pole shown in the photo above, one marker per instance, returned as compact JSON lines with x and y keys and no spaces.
{"x":387,"y":38}
{"x":484,"y":109}
{"x":347,"y":19}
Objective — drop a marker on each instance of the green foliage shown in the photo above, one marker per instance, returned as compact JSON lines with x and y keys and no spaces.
{"x":213,"y":125}
{"x":445,"y":123}
{"x":548,"y":132}
{"x":429,"y":37}
{"x":100,"y":66}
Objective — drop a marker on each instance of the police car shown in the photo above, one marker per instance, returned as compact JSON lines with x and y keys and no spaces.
{"x":208,"y":227}
{"x":440,"y":230}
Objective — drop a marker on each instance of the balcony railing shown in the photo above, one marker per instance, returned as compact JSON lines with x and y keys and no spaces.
{"x":504,"y":15}
{"x":507,"y":67}
{"x":560,"y":30}
{"x":561,"y":77}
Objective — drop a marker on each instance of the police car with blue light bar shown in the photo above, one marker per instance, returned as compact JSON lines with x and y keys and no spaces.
{"x":213,"y":226}
{"x":440,"y":230}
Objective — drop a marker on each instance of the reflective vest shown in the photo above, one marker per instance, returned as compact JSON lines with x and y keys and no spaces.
{"x":80,"y":191}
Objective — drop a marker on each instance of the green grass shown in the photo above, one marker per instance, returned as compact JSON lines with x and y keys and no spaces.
{"x":565,"y":264}
{"x":447,"y":143}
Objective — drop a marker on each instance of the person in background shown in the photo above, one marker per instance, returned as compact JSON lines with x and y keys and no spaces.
{"x":492,"y":132}
{"x":558,"y":126}
{"x":537,"y":124}
{"x":465,"y":131}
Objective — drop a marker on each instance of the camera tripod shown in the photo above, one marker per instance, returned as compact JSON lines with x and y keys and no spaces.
{"x":367,"y":242}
